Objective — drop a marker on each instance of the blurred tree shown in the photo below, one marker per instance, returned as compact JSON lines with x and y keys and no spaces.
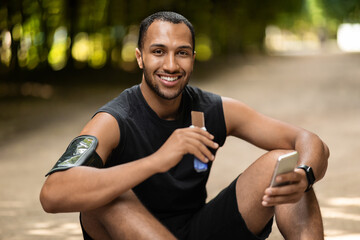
{"x":95,"y":33}
{"x":342,"y":10}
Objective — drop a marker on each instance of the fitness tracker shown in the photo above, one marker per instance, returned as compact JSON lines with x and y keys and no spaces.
{"x":309,"y":175}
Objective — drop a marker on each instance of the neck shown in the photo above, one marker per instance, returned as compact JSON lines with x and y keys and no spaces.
{"x":165,"y":109}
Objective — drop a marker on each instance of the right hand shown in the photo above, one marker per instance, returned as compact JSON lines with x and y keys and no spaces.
{"x":183,"y":141}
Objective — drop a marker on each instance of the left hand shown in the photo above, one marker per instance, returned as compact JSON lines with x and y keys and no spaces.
{"x":290,"y":193}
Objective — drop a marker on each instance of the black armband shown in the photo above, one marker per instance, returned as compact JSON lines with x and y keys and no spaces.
{"x":80,"y":152}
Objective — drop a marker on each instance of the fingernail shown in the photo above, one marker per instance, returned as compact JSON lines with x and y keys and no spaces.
{"x":268,"y":191}
{"x":216,"y":145}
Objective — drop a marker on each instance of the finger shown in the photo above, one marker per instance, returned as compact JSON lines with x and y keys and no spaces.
{"x":281,"y":199}
{"x":284,"y":190}
{"x":204,"y":137}
{"x":273,"y":201}
{"x":208,"y":142}
{"x":195,"y":141}
{"x":202,"y":132}
{"x":287,"y":178}
{"x":199,"y":150}
{"x":284,"y":194}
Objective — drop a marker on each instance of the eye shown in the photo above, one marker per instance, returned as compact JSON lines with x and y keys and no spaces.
{"x":158,"y":52}
{"x":183,"y":53}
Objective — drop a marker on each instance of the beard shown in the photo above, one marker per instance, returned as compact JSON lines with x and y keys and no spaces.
{"x":156,"y":89}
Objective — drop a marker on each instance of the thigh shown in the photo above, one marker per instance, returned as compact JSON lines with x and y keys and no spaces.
{"x":220,"y":219}
{"x":250,"y":190}
{"x":123,"y":218}
{"x":93,"y":226}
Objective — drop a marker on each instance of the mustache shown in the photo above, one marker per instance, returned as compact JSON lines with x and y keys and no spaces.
{"x":182,"y":72}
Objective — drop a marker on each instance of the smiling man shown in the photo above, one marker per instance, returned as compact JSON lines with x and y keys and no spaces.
{"x":169,"y":59}
{"x":131,"y":172}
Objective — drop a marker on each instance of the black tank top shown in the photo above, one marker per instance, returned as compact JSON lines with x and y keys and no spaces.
{"x":181,"y":190}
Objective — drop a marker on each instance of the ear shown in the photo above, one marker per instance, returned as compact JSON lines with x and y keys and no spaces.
{"x":139,"y":58}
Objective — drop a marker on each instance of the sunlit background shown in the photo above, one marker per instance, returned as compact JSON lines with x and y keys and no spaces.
{"x":60,"y":34}
{"x":58,"y":58}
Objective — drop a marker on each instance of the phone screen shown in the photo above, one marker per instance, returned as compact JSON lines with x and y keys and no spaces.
{"x":286,"y":163}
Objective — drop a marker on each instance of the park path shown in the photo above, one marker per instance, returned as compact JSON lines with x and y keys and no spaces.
{"x":319,"y":92}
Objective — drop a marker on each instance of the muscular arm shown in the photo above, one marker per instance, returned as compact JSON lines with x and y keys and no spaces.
{"x":270,"y":134}
{"x":86,"y":188}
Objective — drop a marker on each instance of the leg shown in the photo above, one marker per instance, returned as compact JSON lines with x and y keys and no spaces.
{"x":124,"y":218}
{"x":250,"y":190}
{"x":301,"y":220}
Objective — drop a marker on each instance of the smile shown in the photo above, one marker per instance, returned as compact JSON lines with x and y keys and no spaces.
{"x":169,"y":79}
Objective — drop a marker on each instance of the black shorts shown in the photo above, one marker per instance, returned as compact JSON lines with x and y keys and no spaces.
{"x":218,"y":219}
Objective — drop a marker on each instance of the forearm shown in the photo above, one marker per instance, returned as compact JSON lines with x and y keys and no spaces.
{"x":313,"y":152}
{"x":85,"y":188}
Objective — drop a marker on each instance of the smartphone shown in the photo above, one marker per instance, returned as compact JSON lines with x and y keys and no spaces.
{"x":285,"y":163}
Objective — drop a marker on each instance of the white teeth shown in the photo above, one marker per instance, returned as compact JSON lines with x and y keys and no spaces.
{"x":169,"y":79}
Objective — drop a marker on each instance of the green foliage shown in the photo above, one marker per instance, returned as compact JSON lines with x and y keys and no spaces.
{"x":81,"y":33}
{"x":342,"y":10}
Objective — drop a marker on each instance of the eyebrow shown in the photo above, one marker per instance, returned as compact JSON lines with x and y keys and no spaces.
{"x":163,"y":46}
{"x":186,"y":47}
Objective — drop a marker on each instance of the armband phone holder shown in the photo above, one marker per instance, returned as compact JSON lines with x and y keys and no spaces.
{"x":80,"y":152}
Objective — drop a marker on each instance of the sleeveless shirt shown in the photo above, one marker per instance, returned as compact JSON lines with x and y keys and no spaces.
{"x":180,"y":190}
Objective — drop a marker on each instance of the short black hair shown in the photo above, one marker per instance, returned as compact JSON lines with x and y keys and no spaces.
{"x":165,"y":16}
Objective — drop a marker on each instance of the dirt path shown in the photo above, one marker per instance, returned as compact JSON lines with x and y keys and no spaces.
{"x":320,"y":93}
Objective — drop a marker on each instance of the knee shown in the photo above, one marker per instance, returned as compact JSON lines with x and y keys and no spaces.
{"x":104,"y":222}
{"x":119,"y":207}
{"x":273,"y":155}
{"x":259,"y":174}
{"x":124,"y":218}
{"x":268,"y":160}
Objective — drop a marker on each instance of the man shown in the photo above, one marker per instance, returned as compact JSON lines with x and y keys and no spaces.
{"x":149,"y":188}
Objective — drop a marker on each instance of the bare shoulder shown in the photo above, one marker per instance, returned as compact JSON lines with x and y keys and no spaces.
{"x":237,"y":114}
{"x":106,"y":129}
{"x":230,"y":103}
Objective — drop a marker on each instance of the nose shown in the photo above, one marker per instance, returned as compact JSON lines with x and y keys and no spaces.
{"x":170,"y":64}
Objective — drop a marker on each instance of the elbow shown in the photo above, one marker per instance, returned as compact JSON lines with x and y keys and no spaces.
{"x":323,"y":154}
{"x":48,"y":200}
{"x":326,"y":155}
{"x":317,"y":142}
{"x":326,"y":151}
